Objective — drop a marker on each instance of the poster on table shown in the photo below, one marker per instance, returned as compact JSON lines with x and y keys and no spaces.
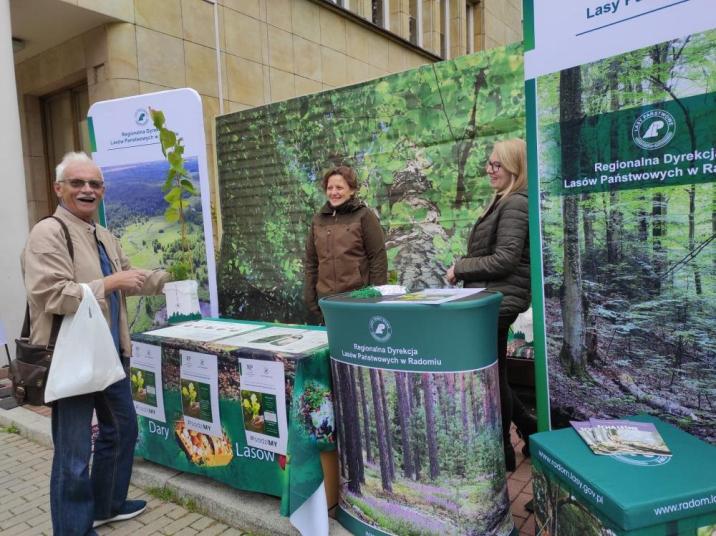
{"x":417,"y":400}
{"x":203,"y":330}
{"x":200,"y":392}
{"x":401,"y":133}
{"x":263,"y":400}
{"x":622,"y":166}
{"x":145,"y":374}
{"x":126,"y":146}
{"x":435,"y":296}
{"x":280,"y":339}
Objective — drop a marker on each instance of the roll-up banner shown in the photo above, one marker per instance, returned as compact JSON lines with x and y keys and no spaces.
{"x":126,"y":146}
{"x":621,"y":127}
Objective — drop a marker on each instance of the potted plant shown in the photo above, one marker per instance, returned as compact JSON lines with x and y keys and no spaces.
{"x":182,"y":292}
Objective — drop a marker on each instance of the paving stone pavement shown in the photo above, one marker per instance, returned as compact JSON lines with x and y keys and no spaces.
{"x":25,"y":500}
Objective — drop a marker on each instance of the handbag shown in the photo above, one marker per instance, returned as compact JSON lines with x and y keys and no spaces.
{"x":28,"y":371}
{"x":85,"y":359}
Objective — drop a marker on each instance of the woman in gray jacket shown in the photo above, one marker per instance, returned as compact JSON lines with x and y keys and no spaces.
{"x":498,"y":259}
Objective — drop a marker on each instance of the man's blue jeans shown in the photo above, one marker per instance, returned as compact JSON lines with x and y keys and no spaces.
{"x":76,"y":498}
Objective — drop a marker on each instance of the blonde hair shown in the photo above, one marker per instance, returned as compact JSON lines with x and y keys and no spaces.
{"x":512,"y":154}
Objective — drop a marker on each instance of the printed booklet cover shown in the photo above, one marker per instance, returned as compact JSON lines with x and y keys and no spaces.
{"x":616,"y":436}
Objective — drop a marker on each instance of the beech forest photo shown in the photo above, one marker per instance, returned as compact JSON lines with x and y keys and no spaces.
{"x":629,"y":264}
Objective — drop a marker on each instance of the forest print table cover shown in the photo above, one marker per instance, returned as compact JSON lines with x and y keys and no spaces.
{"x":418,"y":413}
{"x":294,"y":477}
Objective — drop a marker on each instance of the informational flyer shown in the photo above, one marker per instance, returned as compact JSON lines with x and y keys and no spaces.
{"x":435,"y":295}
{"x":145,"y":374}
{"x":200,"y":392}
{"x":204,"y":330}
{"x":263,"y":400}
{"x":279,"y":339}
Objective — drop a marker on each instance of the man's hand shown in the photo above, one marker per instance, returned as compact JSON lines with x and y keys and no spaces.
{"x":127,"y":280}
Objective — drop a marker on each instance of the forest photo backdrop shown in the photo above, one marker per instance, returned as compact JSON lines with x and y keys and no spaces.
{"x":629,"y":264}
{"x":418,"y":141}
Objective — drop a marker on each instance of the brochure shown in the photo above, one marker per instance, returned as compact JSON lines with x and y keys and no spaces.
{"x":263,"y":401}
{"x":435,"y":295}
{"x":279,"y":339}
{"x":617,"y":436}
{"x":145,"y":374}
{"x":204,"y":330}
{"x":200,"y":392}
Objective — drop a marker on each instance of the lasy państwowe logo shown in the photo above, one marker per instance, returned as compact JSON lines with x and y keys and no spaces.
{"x":379,"y":328}
{"x":653,"y":129}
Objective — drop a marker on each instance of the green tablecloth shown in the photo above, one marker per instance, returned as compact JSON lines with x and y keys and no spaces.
{"x":294,"y":477}
{"x":578,"y":492}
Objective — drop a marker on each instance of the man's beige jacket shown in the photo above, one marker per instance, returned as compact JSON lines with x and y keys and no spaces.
{"x":52,"y":278}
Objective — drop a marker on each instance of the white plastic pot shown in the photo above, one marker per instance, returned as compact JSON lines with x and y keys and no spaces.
{"x":182,"y":301}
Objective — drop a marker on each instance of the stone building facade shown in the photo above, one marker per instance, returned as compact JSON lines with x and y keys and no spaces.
{"x":68,"y":54}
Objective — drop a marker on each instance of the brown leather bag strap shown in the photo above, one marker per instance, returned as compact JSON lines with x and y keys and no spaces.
{"x":70,"y":247}
{"x":56,"y":319}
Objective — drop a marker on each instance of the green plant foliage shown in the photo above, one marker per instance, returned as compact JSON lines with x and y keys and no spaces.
{"x":179,"y":189}
{"x":418,"y":141}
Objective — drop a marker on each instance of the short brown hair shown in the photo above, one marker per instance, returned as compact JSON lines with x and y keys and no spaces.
{"x":347,"y":172}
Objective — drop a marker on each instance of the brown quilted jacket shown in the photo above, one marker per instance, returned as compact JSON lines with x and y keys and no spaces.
{"x":345,"y":250}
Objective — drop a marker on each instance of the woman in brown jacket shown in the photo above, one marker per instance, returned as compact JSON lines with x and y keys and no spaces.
{"x":498,"y":259}
{"x":345,"y":248}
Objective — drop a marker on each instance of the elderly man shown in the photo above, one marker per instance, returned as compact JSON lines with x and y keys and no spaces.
{"x":79,"y":501}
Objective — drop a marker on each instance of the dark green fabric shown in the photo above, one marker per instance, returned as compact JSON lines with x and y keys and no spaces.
{"x":498,"y":254}
{"x":632,"y":496}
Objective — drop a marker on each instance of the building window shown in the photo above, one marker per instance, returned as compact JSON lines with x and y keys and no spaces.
{"x":378,"y":13}
{"x":415,"y":22}
{"x":470,"y":16}
{"x":445,"y":28}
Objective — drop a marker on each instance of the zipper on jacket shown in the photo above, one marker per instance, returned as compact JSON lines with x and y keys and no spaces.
{"x":333,"y":253}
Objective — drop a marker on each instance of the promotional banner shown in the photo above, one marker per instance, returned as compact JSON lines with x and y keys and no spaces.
{"x":418,"y":413}
{"x":126,"y":146}
{"x":146,"y":380}
{"x":263,"y":399}
{"x":622,"y":167}
{"x":418,"y":141}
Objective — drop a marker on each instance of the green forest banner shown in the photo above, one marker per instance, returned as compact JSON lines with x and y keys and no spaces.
{"x":624,"y":149}
{"x":418,"y":141}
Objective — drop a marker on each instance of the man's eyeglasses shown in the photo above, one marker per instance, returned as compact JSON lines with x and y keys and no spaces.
{"x":95,"y":184}
{"x":494,"y":166}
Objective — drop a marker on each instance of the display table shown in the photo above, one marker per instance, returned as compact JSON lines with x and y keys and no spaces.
{"x":246,"y":403}
{"x":578,"y":492}
{"x":417,"y":403}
